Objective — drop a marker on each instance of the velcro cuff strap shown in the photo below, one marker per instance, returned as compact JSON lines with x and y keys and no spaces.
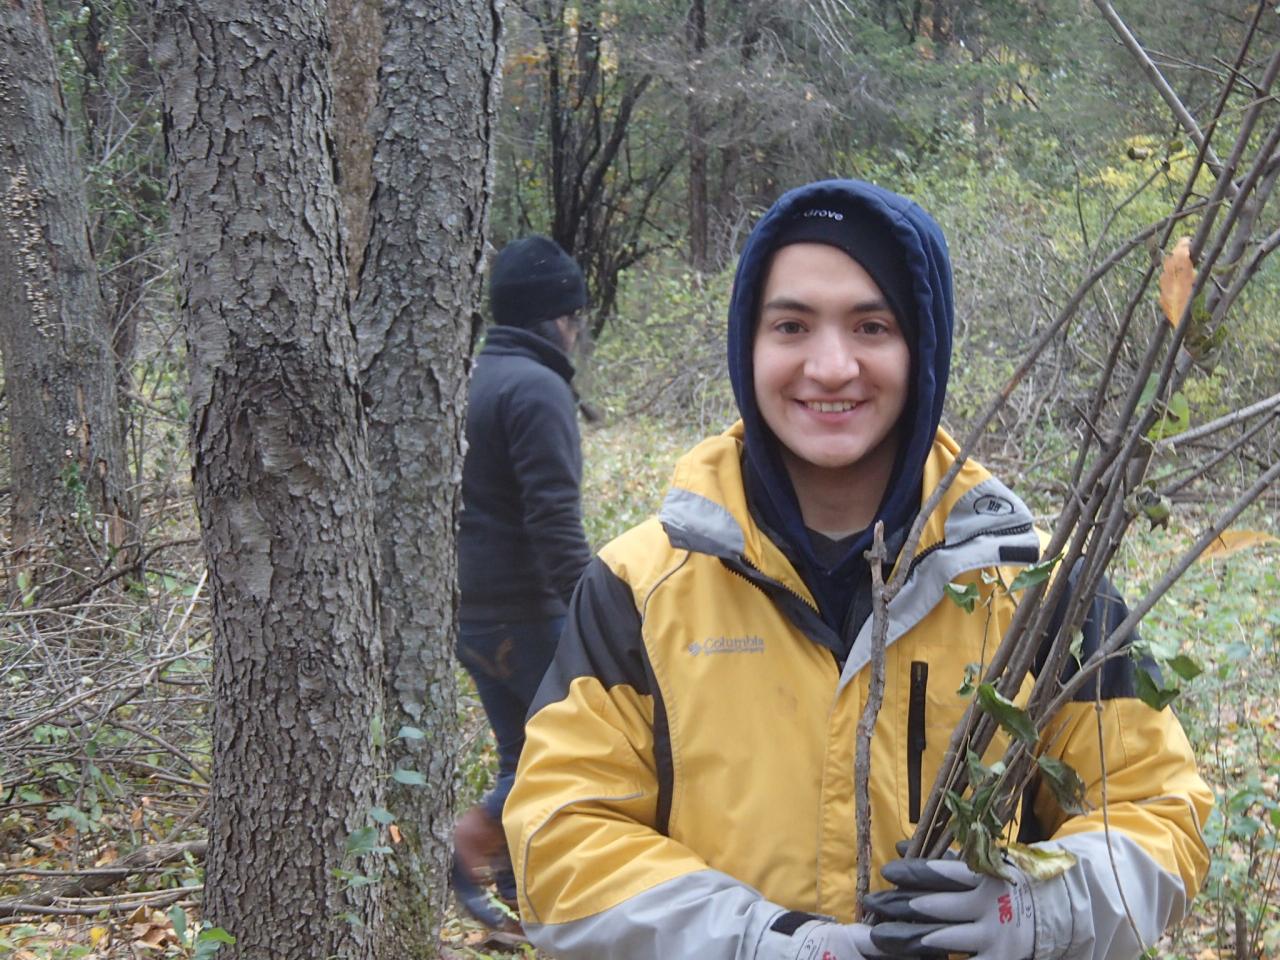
{"x":791,"y":921}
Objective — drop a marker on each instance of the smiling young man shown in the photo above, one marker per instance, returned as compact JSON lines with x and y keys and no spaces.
{"x":687,"y":786}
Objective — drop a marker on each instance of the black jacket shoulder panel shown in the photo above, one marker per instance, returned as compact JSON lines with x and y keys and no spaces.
{"x":1106,"y":612}
{"x":602,"y":639}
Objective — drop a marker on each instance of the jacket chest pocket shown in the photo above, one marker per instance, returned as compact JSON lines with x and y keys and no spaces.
{"x":917,"y":736}
{"x":933,"y":711}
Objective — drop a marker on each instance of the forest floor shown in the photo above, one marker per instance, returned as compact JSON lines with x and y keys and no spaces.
{"x":126,"y":766}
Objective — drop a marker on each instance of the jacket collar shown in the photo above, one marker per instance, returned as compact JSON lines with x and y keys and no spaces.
{"x":504,"y":341}
{"x":979,"y":523}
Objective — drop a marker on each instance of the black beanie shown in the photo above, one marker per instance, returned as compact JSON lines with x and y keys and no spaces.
{"x":866,"y":240}
{"x":533,"y":280}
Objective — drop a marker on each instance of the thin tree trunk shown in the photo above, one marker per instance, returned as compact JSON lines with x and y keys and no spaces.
{"x":281,"y":475}
{"x":66,"y":450}
{"x":695,"y":47}
{"x":417,"y":318}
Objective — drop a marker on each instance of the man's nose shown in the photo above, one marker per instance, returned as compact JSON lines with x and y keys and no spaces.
{"x":833,"y":360}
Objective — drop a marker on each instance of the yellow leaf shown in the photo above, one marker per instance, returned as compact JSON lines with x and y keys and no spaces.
{"x":1040,"y":863}
{"x":1232,"y":541}
{"x":96,"y":935}
{"x":108,"y":856}
{"x":1176,"y":280}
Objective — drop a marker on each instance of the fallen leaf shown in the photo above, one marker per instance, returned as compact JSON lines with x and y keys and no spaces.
{"x":1231,"y":541}
{"x":155,"y":935}
{"x":97,"y":935}
{"x":1176,"y":280}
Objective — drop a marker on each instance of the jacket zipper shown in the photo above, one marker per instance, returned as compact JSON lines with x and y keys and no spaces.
{"x":916,"y":736}
{"x":945,"y":545}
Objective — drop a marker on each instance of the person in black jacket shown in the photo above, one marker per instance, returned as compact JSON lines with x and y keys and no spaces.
{"x":521,"y":547}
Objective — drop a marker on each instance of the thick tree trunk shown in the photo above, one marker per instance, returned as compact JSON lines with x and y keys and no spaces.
{"x":417,"y":317}
{"x":66,"y":451}
{"x":281,"y":474}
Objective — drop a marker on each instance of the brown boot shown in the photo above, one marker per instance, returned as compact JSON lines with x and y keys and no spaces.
{"x":479,"y":851}
{"x":479,"y":844}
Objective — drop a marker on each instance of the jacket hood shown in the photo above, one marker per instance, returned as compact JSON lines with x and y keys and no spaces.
{"x":924,"y":250}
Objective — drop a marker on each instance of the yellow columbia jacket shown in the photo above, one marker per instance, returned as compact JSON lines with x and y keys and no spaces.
{"x":687,"y":783}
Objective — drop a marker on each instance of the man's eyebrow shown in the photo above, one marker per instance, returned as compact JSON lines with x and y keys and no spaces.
{"x":788,"y":303}
{"x":874,"y":305}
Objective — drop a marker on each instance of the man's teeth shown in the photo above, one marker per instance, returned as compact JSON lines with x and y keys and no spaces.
{"x":824,"y":407}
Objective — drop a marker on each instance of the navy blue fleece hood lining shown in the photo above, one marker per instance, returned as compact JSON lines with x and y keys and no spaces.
{"x":928,"y":263}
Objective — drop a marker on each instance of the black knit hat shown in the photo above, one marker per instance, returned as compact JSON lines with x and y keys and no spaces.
{"x":533,"y":280}
{"x":866,"y":240}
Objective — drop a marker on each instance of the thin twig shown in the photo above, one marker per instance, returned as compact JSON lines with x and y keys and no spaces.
{"x":1221,"y":423}
{"x":876,"y":557}
{"x":1158,"y":81}
{"x":92,"y":906}
{"x":150,"y":670}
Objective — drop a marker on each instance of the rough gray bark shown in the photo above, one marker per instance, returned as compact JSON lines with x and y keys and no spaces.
{"x":355,"y":27}
{"x":417,"y":317}
{"x":281,"y":470}
{"x":66,"y":450}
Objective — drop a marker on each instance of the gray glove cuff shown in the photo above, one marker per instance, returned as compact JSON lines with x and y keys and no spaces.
{"x":1055,"y":917}
{"x":801,"y":936}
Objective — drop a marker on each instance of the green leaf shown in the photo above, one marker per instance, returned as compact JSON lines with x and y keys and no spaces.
{"x":363,"y":840}
{"x":215,"y":935}
{"x":1156,"y":507}
{"x":411,"y":733}
{"x":970,"y":680}
{"x":354,"y":879}
{"x":210,"y":941}
{"x":1155,"y":697}
{"x":1185,"y":667}
{"x":376,"y":731}
{"x":1040,"y":862}
{"x":965,"y":597}
{"x":178,"y":917}
{"x":980,"y":852}
{"x":1149,"y":390}
{"x":65,"y":811}
{"x":1036,"y":573}
{"x":1176,"y":418}
{"x":1006,"y":713}
{"x":1076,"y":649}
{"x":410,"y":778}
{"x":382,"y":815}
{"x":1065,"y":783}
{"x":961,"y":809}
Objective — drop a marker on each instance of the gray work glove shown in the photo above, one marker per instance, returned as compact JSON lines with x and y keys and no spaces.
{"x":817,"y":939}
{"x":942,"y":907}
